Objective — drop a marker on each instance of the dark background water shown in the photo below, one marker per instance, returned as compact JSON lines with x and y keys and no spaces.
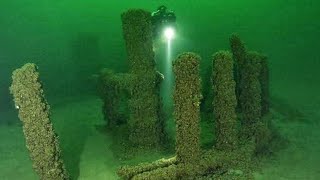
{"x":71,"y":40}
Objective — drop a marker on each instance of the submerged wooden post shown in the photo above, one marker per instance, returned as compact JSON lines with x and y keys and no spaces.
{"x":250,"y":96}
{"x":187,"y":95}
{"x":144,"y":123}
{"x":239,"y":52}
{"x":41,"y":140}
{"x":224,"y":102}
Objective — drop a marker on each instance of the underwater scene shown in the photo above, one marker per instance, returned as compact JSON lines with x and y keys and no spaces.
{"x":159,"y":90}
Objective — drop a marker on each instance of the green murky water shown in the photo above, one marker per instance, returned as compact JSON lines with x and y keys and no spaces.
{"x":71,"y":41}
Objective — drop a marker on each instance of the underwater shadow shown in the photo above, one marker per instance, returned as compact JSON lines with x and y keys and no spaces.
{"x":86,"y":61}
{"x":290,"y":112}
{"x":73,"y":141}
{"x":73,"y":129}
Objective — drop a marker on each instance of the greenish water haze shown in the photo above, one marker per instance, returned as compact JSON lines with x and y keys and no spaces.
{"x":70,"y":40}
{"x":49,"y":33}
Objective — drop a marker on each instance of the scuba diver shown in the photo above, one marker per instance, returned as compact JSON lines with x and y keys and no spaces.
{"x":161,"y":19}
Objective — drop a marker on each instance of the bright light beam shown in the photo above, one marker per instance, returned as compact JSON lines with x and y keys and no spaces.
{"x":167,"y":84}
{"x":169,"y":33}
{"x":168,"y":80}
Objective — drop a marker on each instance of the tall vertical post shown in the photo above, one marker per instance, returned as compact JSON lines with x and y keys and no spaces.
{"x":41,"y":140}
{"x":239,"y":52}
{"x":187,"y":95}
{"x":250,"y":96}
{"x":224,"y":102}
{"x":143,"y":122}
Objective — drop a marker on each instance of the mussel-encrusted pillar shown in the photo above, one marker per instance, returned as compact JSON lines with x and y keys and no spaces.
{"x":187,"y":95}
{"x":114,"y":91}
{"x":41,"y":140}
{"x":143,"y":122}
{"x":224,"y":102}
{"x":250,"y":96}
{"x":239,"y":52}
